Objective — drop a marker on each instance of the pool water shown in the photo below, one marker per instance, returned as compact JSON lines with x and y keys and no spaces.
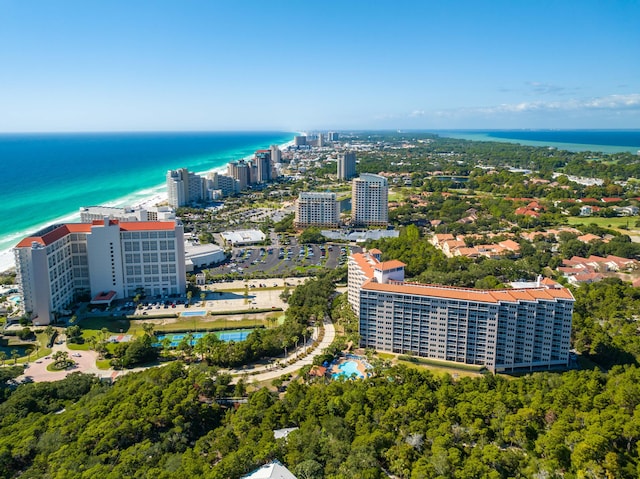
{"x":347,"y":368}
{"x":193,"y":313}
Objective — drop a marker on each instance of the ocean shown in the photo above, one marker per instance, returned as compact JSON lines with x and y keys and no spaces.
{"x":605,"y":141}
{"x":48,"y":177}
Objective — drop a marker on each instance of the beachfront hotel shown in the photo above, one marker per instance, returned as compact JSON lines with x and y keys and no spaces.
{"x":106,"y":259}
{"x":184,"y":188}
{"x":317,"y":209}
{"x":369,"y":200}
{"x":262,"y":160}
{"x":525,"y":327}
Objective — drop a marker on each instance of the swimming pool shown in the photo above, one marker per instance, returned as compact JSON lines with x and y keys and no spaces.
{"x":236,"y":335}
{"x":193,"y":313}
{"x":348,"y":368}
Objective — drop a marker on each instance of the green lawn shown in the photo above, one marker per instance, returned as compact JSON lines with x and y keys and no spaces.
{"x":103,"y":364}
{"x":616,"y":222}
{"x":93,"y":326}
{"x":438,"y":367}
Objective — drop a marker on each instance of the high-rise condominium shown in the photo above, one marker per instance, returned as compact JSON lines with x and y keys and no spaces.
{"x":316,"y":209}
{"x":346,"y":165}
{"x":184,"y":187}
{"x":369,"y":200}
{"x":527,"y":326}
{"x":61,"y":263}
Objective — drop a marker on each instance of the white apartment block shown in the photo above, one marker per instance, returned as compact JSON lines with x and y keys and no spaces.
{"x":241,"y":172}
{"x":184,"y":187}
{"x":126,"y":213}
{"x":227,"y":185}
{"x":526,"y":327}
{"x":369,"y":200}
{"x":317,"y":209}
{"x":64,"y":261}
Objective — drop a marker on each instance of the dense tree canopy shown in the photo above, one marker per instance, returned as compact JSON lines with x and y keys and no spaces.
{"x":166,"y":423}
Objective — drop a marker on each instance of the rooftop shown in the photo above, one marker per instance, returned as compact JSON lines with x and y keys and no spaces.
{"x":60,"y":231}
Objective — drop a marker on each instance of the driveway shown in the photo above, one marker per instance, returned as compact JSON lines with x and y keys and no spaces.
{"x":85,"y":363}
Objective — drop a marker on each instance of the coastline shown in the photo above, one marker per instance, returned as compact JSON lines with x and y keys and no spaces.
{"x":573,"y":147}
{"x":144,"y":198}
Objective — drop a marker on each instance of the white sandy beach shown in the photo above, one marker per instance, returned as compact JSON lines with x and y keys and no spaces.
{"x":155,"y":198}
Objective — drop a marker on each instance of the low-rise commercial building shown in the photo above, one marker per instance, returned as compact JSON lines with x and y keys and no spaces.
{"x":242,"y":237}
{"x":126,"y":213}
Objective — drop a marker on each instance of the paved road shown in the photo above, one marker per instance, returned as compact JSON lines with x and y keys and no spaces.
{"x":265,"y":373}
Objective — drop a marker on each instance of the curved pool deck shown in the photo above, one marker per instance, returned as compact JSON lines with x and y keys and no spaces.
{"x":350,"y":366}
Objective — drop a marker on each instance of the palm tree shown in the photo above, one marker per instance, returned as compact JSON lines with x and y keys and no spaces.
{"x":14,"y":355}
{"x":285,"y":345}
{"x":203,"y":296}
{"x":3,"y":357}
{"x":189,"y":296}
{"x":148,"y":329}
{"x":306,"y":332}
{"x":166,"y":344}
{"x":49,"y":331}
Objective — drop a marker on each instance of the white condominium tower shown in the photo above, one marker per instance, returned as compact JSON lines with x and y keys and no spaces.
{"x":317,"y":209}
{"x":276,"y":154}
{"x":262,"y":160}
{"x":241,"y":172}
{"x":346,"y":165}
{"x":525,"y":327}
{"x":63,"y":262}
{"x":184,"y":187}
{"x":369,"y":200}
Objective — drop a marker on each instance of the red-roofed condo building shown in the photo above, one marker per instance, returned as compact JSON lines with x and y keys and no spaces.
{"x":64,"y":261}
{"x":526,"y":327}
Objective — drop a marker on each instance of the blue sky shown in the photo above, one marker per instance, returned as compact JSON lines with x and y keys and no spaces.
{"x":283,"y":65}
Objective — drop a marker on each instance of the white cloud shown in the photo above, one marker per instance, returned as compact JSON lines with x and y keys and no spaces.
{"x":610,"y":102}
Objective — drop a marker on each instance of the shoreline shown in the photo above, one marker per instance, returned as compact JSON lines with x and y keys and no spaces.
{"x":485,"y":136}
{"x":154,"y":195}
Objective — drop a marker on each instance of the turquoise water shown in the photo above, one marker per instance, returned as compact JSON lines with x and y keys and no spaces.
{"x":347,"y":368}
{"x":48,"y":177}
{"x":236,"y":335}
{"x":193,"y":313}
{"x":606,"y":141}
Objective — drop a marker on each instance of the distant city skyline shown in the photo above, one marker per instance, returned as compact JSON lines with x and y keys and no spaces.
{"x":76,"y":66}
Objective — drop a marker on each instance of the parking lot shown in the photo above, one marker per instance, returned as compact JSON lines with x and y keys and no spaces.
{"x":284,"y":260}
